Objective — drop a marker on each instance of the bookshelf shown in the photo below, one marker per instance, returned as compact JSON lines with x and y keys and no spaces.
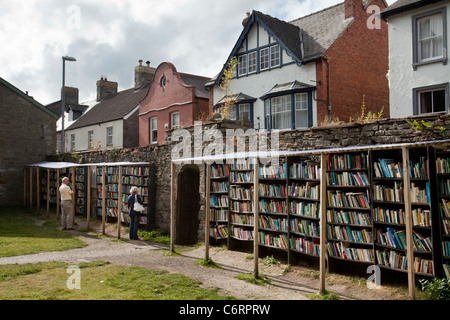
{"x":303,"y":196}
{"x":114,"y":183}
{"x":349,"y":224}
{"x":273,"y":220}
{"x":219,"y":202}
{"x":241,"y":204}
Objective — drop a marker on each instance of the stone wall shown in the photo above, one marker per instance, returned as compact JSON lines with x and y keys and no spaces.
{"x":378,"y":132}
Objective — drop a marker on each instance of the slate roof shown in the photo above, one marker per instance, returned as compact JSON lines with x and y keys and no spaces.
{"x":113,"y":107}
{"x":198,"y":82}
{"x":401,"y":6}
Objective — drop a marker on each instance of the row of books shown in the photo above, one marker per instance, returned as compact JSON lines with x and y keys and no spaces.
{"x":396,"y":216}
{"x":243,"y":219}
{"x":422,"y":243}
{"x":423,"y":266}
{"x":388,"y":168}
{"x":219,"y":171}
{"x":444,"y":187}
{"x":241,"y":233}
{"x":421,"y":217}
{"x":347,"y":161}
{"x":305,"y":245}
{"x":218,"y":214}
{"x":272,"y":206}
{"x":219,"y":186}
{"x":388,"y":194}
{"x":392,"y":259}
{"x":241,"y":193}
{"x":276,"y":224}
{"x":347,"y":178}
{"x":241,"y":206}
{"x":272,"y":190}
{"x":241,"y":177}
{"x":305,"y":227}
{"x":348,"y":199}
{"x":340,"y":250}
{"x":272,"y":172}
{"x":305,"y":170}
{"x":308,"y":190}
{"x":272,"y":240}
{"x":391,"y":238}
{"x":443,"y":165}
{"x":218,"y":232}
{"x":218,"y":201}
{"x":136,"y":171}
{"x":446,"y":226}
{"x":349,"y":217}
{"x":446,"y":248}
{"x":241,"y":164}
{"x":306,"y":209}
{"x":445,"y":208}
{"x":348,"y":234}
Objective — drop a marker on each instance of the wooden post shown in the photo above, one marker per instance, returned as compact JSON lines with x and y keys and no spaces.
{"x":31,"y":188}
{"x":24,"y":187}
{"x":103,"y":198}
{"x":207,"y":209}
{"x":88,"y":190}
{"x":74,"y":196}
{"x":38,"y":195}
{"x":408,"y":223}
{"x":58,"y":197}
{"x":323,"y":219}
{"x":119,"y":203}
{"x":256,"y":216}
{"x":172,"y":208}
{"x":48,"y":193}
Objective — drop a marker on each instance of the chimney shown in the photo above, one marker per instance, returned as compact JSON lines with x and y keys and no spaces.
{"x":143,"y":75}
{"x":105,"y":88}
{"x":353,"y":8}
{"x":245,"y":21}
{"x":71,"y":96}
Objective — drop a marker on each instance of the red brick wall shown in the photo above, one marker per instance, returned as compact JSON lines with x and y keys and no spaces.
{"x":357,"y":65}
{"x":161,"y":102}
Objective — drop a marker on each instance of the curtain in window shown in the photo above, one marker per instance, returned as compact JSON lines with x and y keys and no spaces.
{"x":430,"y":37}
{"x":281,"y":112}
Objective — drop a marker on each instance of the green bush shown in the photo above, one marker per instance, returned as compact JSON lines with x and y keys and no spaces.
{"x":436,"y":289}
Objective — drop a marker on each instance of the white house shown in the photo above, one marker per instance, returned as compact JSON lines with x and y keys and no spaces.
{"x":419,"y":73}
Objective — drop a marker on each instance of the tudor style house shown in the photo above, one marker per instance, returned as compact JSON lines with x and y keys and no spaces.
{"x":295,"y":75}
{"x":113,"y":120}
{"x":173,"y":100}
{"x":419,"y":73}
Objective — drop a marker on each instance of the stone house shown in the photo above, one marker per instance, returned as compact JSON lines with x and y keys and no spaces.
{"x":173,"y":100}
{"x":419,"y":72}
{"x":27,"y":135}
{"x":112,"y":121}
{"x":295,"y":75}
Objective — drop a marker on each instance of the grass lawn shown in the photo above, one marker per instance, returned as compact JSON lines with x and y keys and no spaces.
{"x":24,"y":233}
{"x":98,"y":281}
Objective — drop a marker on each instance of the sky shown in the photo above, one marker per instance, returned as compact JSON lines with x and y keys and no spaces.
{"x":109,"y":37}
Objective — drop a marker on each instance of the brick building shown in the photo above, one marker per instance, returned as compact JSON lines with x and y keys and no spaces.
{"x":174,"y":100}
{"x":294,"y":75}
{"x":27,"y":135}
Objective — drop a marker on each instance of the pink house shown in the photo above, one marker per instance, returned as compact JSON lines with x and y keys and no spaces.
{"x":173,"y":100}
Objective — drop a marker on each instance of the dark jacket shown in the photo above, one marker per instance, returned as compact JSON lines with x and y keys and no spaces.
{"x":131,"y":200}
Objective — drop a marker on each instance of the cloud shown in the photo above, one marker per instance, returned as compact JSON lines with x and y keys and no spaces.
{"x":108,"y":37}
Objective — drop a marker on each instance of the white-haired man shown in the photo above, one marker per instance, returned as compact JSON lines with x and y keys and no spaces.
{"x":66,"y":205}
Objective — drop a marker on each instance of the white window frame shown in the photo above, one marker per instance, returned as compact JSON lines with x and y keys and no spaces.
{"x":264,"y":58}
{"x":90,"y":139}
{"x":275,"y":56}
{"x":109,"y":136}
{"x":153,"y":129}
{"x":417,"y":92}
{"x":252,"y":62}
{"x":418,"y":41}
{"x":281,"y":112}
{"x":242,"y":65}
{"x":175,"y":119}
{"x":301,"y":110}
{"x":72,"y":142}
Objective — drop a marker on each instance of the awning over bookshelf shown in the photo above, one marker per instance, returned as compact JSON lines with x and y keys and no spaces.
{"x":269,"y":154}
{"x":62,"y":165}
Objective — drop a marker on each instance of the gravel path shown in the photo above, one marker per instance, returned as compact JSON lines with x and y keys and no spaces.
{"x":292,"y":285}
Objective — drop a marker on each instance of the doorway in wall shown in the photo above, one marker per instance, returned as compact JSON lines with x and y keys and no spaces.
{"x":187,"y":206}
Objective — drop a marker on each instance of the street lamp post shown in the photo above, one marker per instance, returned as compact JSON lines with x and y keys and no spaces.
{"x":63,"y":107}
